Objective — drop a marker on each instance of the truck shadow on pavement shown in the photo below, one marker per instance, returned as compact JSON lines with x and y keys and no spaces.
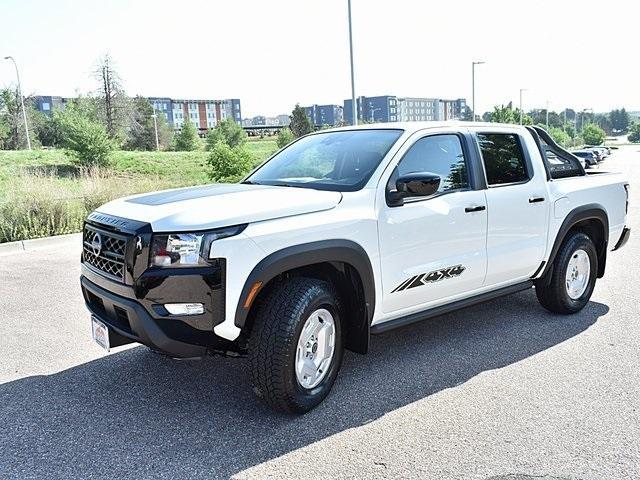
{"x":134,"y":414}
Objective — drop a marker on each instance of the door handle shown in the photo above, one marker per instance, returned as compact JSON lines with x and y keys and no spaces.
{"x":536,"y":199}
{"x":479,"y":208}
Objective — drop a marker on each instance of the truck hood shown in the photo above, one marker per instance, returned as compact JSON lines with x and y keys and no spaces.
{"x":221,"y":205}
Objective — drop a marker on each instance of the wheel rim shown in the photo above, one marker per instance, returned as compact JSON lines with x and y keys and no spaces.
{"x":316,"y":346}
{"x":578,"y":273}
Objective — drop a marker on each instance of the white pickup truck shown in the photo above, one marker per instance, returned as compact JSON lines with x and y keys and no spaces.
{"x":346,"y":233}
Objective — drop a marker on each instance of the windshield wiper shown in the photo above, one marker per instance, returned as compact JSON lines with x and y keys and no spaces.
{"x":250,"y":182}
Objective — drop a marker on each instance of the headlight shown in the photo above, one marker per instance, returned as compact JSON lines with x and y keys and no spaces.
{"x":179,"y":249}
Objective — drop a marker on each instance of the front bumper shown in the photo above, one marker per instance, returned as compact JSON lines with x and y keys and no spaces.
{"x":136,"y":313}
{"x":132,"y":323}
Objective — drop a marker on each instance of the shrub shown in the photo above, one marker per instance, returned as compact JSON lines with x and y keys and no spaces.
{"x":634,"y":133}
{"x":227,"y":131}
{"x":593,"y":134}
{"x":228,"y":164}
{"x":285,"y":137}
{"x":84,"y":139}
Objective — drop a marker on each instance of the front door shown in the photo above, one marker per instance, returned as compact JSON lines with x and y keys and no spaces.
{"x":432,"y":248}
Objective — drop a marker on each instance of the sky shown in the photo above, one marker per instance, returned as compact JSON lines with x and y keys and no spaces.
{"x":274,"y":54}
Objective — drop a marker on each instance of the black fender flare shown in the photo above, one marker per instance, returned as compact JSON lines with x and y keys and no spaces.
{"x":306,"y":254}
{"x":590,"y":211}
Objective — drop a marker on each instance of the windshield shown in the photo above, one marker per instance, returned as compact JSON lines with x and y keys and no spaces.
{"x":341,"y":161}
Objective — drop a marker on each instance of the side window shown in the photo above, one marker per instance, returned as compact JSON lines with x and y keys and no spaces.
{"x":503,"y":158}
{"x":439,"y":154}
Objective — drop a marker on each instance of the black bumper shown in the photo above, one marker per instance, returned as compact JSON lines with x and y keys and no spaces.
{"x":129,"y":319}
{"x":624,"y":238}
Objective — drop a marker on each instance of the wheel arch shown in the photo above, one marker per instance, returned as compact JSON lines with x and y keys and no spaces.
{"x":591,"y":219}
{"x":342,"y":260}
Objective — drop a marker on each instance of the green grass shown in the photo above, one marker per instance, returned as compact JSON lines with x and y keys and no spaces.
{"x":43,"y":193}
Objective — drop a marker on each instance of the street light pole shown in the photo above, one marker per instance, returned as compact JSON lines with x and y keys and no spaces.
{"x":521,"y":90}
{"x":473,"y":89}
{"x":155,"y":127}
{"x":354,"y":108}
{"x":547,"y":111}
{"x":24,"y":112}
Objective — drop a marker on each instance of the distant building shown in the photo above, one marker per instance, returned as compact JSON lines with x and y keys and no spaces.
{"x":324,"y":115}
{"x":283,"y":119}
{"x":372,"y":109}
{"x":278,"y":121}
{"x":417,"y":109}
{"x":259,"y":120}
{"x":390,"y":108}
{"x":48,"y":104}
{"x":452,"y":109}
{"x":204,"y":114}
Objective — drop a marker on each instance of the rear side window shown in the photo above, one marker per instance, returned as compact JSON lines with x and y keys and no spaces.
{"x":503,"y":158}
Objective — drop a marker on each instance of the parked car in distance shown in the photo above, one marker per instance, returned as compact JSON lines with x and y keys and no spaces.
{"x":590,"y":157}
{"x":603,"y":152}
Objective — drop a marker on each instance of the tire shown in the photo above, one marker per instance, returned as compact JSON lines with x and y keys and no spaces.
{"x":273,"y":343}
{"x":554,"y":293}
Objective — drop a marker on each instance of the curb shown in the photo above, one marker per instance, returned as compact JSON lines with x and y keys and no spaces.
{"x":39,"y":243}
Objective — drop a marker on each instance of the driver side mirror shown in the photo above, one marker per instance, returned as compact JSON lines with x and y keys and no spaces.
{"x":419,"y":184}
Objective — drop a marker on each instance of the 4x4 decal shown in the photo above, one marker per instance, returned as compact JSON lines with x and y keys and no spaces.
{"x":424,"y":278}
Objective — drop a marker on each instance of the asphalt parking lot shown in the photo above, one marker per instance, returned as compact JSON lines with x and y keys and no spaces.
{"x":503,"y":390}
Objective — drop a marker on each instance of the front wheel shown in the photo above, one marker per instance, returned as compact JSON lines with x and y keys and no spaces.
{"x":573,"y":277}
{"x":296,"y":344}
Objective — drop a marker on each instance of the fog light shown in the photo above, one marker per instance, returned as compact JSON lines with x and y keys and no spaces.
{"x":184,"y":308}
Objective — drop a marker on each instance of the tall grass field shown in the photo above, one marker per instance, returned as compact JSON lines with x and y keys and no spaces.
{"x":42,"y":193}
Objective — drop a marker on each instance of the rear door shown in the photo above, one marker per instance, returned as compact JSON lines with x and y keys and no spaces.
{"x":517,"y":204}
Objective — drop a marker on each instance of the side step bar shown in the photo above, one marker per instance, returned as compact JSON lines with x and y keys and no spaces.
{"x":442,"y":309}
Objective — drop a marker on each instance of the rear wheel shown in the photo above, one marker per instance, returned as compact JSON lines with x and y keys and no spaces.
{"x":296,"y":344}
{"x":573,"y":277}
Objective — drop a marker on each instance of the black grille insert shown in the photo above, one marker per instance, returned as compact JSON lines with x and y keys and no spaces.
{"x":104,"y":251}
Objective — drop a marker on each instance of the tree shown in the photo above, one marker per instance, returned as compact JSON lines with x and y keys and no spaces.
{"x":561,"y":137}
{"x":228,"y":164}
{"x":619,"y":120}
{"x":142,"y":129}
{"x":187,"y":139}
{"x":467,"y":116}
{"x":112,"y":103}
{"x":227,"y":131}
{"x":48,"y":132}
{"x":300,"y":124}
{"x":634,"y":133}
{"x":12,"y":120}
{"x":85,"y":139}
{"x":285,"y":137}
{"x":592,"y":134}
{"x":502,"y":114}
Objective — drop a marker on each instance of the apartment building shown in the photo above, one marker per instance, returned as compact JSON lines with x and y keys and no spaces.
{"x":47,"y":103}
{"x":204,"y":114}
{"x":320,"y":115}
{"x":390,"y":108}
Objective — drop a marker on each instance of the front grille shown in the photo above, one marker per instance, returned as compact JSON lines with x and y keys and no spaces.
{"x":104,"y":251}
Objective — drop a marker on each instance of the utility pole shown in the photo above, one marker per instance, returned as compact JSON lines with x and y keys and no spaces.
{"x":473,"y":89}
{"x":354,"y":108}
{"x":24,"y":112}
{"x":521,"y":90}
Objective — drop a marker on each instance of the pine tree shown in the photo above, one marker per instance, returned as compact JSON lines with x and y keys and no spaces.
{"x":187,"y":139}
{"x":300,"y":124}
